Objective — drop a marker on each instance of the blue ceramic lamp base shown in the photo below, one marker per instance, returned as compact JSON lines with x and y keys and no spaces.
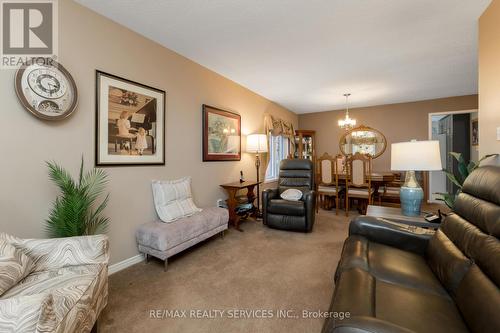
{"x":411,"y":195}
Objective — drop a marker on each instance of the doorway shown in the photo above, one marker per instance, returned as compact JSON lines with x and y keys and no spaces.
{"x":453,"y":130}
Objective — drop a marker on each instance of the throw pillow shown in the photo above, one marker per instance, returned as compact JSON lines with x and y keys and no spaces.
{"x":14,"y":265}
{"x":173,"y":199}
{"x":32,"y":313}
{"x":291,"y":194}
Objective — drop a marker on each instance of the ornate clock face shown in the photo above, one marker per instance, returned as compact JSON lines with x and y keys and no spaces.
{"x":46,"y":90}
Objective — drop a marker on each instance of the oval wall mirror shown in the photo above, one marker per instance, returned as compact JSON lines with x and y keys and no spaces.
{"x":363,"y":139}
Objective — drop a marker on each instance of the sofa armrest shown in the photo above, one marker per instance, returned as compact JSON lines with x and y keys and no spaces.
{"x":361,"y":324}
{"x":61,"y":252}
{"x":399,"y":235}
{"x":309,"y":199}
{"x":26,"y":313}
{"x":267,"y":194}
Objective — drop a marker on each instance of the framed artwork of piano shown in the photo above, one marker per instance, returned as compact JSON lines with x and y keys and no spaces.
{"x":130,"y":120}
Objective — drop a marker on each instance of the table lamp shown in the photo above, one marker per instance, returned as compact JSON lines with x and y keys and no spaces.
{"x":410,"y":157}
{"x":257,"y":144}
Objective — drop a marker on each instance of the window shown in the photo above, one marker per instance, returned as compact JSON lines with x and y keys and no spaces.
{"x":278,"y":150}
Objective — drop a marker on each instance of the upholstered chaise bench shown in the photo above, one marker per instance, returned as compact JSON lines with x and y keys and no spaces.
{"x":163,"y":240}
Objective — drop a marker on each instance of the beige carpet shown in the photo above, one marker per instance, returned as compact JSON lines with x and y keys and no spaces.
{"x":259,"y":269}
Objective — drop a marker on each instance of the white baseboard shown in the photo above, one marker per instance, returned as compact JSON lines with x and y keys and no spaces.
{"x":125,"y":263}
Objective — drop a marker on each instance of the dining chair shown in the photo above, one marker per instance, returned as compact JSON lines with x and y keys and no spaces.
{"x":358,"y":181}
{"x":341,"y":166}
{"x":340,"y":171}
{"x":390,"y":191}
{"x":328,"y":182}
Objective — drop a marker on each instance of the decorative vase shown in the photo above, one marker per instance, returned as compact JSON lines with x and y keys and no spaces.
{"x":411,"y":195}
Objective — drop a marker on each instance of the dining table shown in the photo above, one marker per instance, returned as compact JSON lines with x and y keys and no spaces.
{"x":378,"y":178}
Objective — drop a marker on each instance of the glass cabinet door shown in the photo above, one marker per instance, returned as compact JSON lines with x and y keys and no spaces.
{"x":307,"y":150}
{"x":304,"y":144}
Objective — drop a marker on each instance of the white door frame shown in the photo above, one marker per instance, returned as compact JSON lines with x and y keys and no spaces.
{"x":429,"y":196}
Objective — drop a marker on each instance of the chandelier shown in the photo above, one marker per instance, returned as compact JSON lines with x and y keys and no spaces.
{"x":347,"y":123}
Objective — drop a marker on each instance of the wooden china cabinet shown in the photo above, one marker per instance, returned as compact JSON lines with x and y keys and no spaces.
{"x":305,"y":144}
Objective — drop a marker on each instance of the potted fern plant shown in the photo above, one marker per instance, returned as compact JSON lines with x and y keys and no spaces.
{"x":464,"y":169}
{"x":75,"y":211}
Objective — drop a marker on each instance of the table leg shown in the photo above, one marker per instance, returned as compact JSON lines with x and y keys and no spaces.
{"x":376,"y":186}
{"x":232,"y":203}
{"x":251,"y":198}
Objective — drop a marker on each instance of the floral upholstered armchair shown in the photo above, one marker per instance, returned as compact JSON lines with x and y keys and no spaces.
{"x":52,"y":285}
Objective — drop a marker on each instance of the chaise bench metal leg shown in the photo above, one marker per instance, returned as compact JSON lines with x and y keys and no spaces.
{"x":165,"y":264}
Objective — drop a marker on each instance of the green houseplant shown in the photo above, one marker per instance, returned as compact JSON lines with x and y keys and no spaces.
{"x":464,"y":169}
{"x":75,"y":211}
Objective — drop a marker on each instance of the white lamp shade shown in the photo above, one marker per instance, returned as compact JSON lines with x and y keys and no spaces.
{"x":415,"y":156}
{"x":257,"y":143}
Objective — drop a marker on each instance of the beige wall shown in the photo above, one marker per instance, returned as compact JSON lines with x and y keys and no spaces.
{"x":88,"y":42}
{"x":489,"y":80}
{"x":398,"y":122}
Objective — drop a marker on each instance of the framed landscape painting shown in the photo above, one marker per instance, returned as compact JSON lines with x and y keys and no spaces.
{"x":130,"y":122}
{"x":221,"y":135}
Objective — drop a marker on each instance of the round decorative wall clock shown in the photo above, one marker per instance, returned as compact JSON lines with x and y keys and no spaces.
{"x":46,"y":89}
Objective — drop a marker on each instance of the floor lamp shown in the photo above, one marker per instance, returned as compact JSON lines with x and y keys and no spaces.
{"x":257,"y":144}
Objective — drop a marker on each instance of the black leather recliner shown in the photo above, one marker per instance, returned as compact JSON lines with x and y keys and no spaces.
{"x":291,"y":215}
{"x":393,"y":278}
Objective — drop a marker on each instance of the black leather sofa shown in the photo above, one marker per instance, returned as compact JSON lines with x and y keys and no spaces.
{"x":400,"y":279}
{"x":291,"y":215}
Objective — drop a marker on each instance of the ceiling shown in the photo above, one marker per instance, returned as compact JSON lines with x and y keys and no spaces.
{"x":305,"y":54}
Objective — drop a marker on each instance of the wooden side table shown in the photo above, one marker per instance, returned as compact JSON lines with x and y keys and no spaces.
{"x":233,"y":201}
